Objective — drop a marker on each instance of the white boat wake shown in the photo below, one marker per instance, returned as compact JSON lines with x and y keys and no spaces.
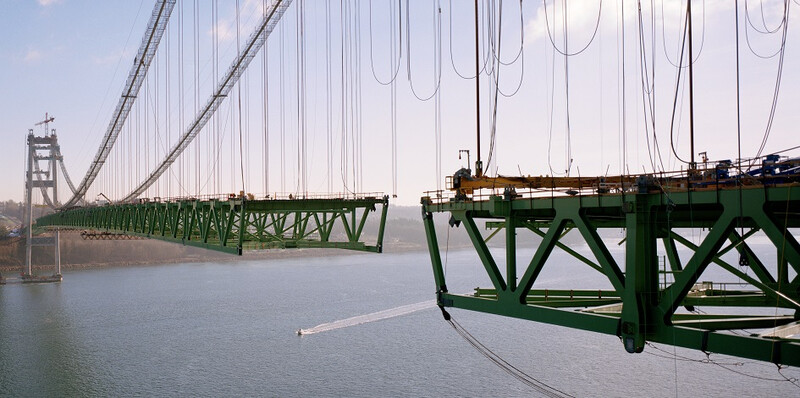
{"x":375,"y":316}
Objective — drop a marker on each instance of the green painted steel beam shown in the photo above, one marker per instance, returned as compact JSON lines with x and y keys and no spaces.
{"x":754,"y":299}
{"x":577,"y":320}
{"x":712,"y":298}
{"x":599,"y":293}
{"x":237,"y":224}
{"x":735,"y":322}
{"x":572,"y":303}
{"x":642,"y":305}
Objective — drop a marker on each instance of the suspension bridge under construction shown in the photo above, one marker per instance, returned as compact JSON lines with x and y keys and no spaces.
{"x":194,"y":187}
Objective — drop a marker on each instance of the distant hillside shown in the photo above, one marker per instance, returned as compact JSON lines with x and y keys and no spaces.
{"x":12,"y":209}
{"x":79,"y":253}
{"x":404,"y":232}
{"x":8,"y":225}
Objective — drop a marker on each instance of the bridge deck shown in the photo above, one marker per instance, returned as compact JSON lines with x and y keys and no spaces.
{"x":236,"y":224}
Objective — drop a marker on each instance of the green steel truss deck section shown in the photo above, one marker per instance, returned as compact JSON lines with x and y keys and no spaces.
{"x":236,"y":224}
{"x":648,"y":300}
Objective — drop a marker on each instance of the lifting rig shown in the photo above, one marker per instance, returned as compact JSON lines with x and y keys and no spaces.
{"x":644,"y":304}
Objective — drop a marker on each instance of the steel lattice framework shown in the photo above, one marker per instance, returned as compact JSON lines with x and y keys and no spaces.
{"x":643,"y":305}
{"x":236,"y":224}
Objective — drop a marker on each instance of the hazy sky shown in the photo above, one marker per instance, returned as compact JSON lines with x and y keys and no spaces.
{"x":70,"y":58}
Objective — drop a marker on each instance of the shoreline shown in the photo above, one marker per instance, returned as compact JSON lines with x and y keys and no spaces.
{"x":214,"y":257}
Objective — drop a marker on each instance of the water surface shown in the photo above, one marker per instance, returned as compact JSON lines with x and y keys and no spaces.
{"x":229,"y":329}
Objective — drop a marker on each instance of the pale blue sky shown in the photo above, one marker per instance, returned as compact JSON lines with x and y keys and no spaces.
{"x":70,"y":58}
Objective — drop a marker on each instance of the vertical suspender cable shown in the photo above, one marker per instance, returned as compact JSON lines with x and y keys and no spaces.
{"x":239,"y":90}
{"x":282,"y":108}
{"x":182,"y":165}
{"x":692,"y":163}
{"x":265,"y":100}
{"x":394,"y":35}
{"x":300,"y":103}
{"x":437,"y":104}
{"x":154,"y":107}
{"x":138,"y":139}
{"x":215,"y":62}
{"x":146,"y":128}
{"x":166,"y":107}
{"x":343,"y":141}
{"x":358,"y":101}
{"x":351,"y":96}
{"x":624,"y":104}
{"x":738,"y":125}
{"x":328,"y":98}
{"x":298,"y":99}
{"x":478,"y":165}
{"x":196,"y":83}
{"x":566,"y":91}
{"x":232,"y":107}
{"x":303,"y":93}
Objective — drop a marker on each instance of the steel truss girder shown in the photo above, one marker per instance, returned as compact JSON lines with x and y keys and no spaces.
{"x":639,"y":309}
{"x":236,"y":225}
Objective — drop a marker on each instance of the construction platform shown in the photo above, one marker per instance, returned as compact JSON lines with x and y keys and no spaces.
{"x":646,"y":301}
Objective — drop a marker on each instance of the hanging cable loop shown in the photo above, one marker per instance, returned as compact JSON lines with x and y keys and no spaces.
{"x":496,"y":69}
{"x":452,"y":62}
{"x":496,"y":54}
{"x":664,"y":42}
{"x":400,"y":45}
{"x":550,"y":35}
{"x":437,"y":22}
{"x":784,"y":22}
{"x":766,"y":30}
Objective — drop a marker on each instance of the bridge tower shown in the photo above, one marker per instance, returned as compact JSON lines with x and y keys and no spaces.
{"x":44,"y":148}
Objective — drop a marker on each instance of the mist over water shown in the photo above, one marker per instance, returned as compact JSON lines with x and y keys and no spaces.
{"x":229,"y":329}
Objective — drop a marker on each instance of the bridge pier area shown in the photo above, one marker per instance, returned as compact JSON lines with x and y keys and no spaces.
{"x":49,"y":145}
{"x":53,"y":241}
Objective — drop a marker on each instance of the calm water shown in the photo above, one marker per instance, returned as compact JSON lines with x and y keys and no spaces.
{"x":229,"y":330}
